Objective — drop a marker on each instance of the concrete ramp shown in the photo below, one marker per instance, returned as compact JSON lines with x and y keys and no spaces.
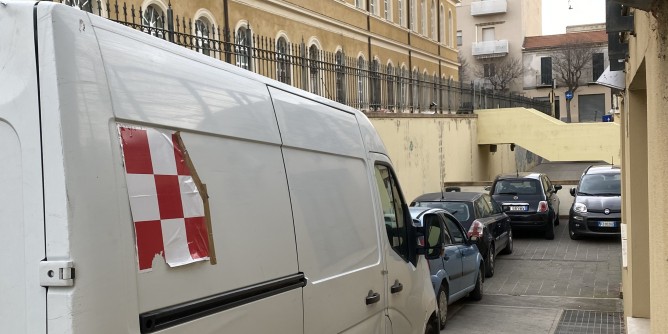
{"x":550,"y":138}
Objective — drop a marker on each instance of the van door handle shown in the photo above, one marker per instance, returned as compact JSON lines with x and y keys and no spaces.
{"x":372,"y":297}
{"x":397,"y":287}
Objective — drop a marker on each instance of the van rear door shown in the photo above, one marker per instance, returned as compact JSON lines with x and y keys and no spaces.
{"x":23,"y":306}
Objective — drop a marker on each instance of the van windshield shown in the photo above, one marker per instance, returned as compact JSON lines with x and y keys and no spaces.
{"x":517,"y":187}
{"x":600,"y":185}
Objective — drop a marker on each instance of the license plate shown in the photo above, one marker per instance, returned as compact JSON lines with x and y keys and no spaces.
{"x":517,"y":208}
{"x":607,"y":224}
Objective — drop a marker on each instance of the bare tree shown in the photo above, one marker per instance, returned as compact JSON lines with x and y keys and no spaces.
{"x":570,"y":61}
{"x":500,"y":72}
{"x":463,"y":69}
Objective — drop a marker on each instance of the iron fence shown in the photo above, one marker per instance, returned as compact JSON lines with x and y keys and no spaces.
{"x":356,"y":82}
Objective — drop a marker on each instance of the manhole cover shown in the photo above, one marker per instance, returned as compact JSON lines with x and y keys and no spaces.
{"x":577,"y":321}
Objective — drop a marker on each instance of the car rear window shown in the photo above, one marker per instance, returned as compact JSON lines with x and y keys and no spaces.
{"x":601,"y":184}
{"x":517,"y":187}
{"x":458,"y":209}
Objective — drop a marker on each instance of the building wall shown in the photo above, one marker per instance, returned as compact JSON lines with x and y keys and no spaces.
{"x":427,"y":150}
{"x":522,"y":16}
{"x":645,"y":177}
{"x":531,"y":64}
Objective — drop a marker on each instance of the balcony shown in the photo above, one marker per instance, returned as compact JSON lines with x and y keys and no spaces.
{"x":543,"y":80}
{"x":490,"y":49}
{"x":488,"y":7}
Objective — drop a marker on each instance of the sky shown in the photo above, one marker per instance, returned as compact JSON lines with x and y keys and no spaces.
{"x":556,"y":15}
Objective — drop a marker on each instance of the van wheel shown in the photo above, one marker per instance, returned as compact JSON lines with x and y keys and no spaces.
{"x":509,"y":245}
{"x":442,"y":305}
{"x":556,"y":219}
{"x":549,"y":231}
{"x":489,"y":261}
{"x":432,"y":325}
{"x":476,"y":294}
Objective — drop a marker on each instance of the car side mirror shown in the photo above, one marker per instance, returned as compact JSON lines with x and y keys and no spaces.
{"x":434,"y":240}
{"x":557,"y":187}
{"x":488,"y":188}
{"x":573,"y":192}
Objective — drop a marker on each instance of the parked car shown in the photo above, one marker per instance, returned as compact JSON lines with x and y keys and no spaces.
{"x":481,"y":216}
{"x":596,"y":209}
{"x":529,"y":199}
{"x":459,"y":271}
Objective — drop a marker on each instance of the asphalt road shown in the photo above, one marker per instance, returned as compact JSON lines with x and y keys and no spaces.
{"x":548,"y":286}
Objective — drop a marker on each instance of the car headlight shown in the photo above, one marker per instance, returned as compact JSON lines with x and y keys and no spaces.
{"x":580,"y":208}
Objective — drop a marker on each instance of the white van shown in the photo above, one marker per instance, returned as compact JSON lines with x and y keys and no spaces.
{"x":146,"y":188}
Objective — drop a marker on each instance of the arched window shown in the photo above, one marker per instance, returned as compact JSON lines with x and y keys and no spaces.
{"x":451,"y":28}
{"x":391,"y":79}
{"x":283,"y":61}
{"x":340,"y":70}
{"x":442,"y":27}
{"x":433,"y":20}
{"x":415,"y":104}
{"x":153,"y":21}
{"x":361,"y":74}
{"x":314,"y":69}
{"x":402,"y":88}
{"x":244,"y":47}
{"x":375,"y":85}
{"x":202,"y":36}
{"x":423,"y":12}
{"x":425,"y":91}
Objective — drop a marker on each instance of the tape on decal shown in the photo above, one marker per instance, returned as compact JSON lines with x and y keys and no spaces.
{"x":168,"y":201}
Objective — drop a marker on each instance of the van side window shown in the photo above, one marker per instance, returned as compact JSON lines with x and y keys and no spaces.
{"x":455,"y":232}
{"x":392,"y":211}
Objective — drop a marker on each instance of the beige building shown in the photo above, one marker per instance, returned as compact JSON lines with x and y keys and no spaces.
{"x":382,"y":55}
{"x":644,"y":171}
{"x":588,"y":47}
{"x":490,"y":31}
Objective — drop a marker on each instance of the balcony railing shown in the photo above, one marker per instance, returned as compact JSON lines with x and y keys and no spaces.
{"x":544,"y":80}
{"x":488,"y":7}
{"x":490,"y":48}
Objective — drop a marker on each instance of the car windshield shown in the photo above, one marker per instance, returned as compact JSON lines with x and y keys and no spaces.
{"x":458,"y":209}
{"x":517,"y":187}
{"x":600,"y":185}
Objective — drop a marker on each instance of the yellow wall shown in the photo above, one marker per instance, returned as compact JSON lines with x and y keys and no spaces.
{"x":552,"y":139}
{"x":427,"y":150}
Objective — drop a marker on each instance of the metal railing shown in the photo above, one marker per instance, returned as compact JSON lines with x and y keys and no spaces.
{"x":356,"y":82}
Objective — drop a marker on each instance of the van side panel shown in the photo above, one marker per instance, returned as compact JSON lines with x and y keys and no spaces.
{"x":229,"y":129}
{"x":23,"y":300}
{"x":157,"y":82}
{"x":82,"y":180}
{"x":337,"y":238}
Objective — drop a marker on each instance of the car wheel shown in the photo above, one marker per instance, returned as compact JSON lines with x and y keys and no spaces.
{"x":509,"y":245}
{"x":572,"y":234}
{"x":549,"y":231}
{"x":476,"y":294}
{"x":442,"y":306}
{"x":556,"y":219}
{"x":489,"y":261}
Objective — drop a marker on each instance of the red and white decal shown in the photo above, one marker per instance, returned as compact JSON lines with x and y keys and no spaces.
{"x":167,"y":208}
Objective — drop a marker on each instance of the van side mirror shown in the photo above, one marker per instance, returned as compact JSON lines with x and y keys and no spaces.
{"x":573,"y":191}
{"x":557,"y":187}
{"x":434,"y":240}
{"x":488,"y":188}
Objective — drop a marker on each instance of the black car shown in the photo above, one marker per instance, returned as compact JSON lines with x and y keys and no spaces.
{"x":481,"y":216}
{"x":597,"y":207}
{"x":529,"y":199}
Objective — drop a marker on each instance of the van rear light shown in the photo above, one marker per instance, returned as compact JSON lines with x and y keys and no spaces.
{"x":475,"y":231}
{"x":542,"y":206}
